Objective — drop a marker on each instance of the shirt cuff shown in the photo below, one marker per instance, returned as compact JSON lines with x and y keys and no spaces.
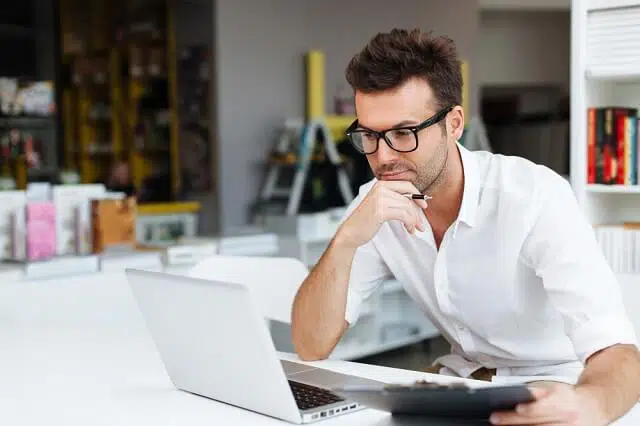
{"x":352,"y":311}
{"x":600,"y":333}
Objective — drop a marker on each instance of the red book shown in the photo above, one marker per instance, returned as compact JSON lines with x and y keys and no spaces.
{"x":591,"y":146}
{"x":620,"y":132}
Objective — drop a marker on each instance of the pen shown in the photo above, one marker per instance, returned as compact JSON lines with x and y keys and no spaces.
{"x":418,"y":197}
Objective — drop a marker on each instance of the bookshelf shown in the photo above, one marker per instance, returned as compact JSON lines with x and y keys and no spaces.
{"x":120,"y":101}
{"x":613,"y":189}
{"x":605,"y":72}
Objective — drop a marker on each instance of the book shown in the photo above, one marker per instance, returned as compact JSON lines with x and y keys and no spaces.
{"x":12,"y":225}
{"x":612,"y":145}
{"x":73,"y":217}
{"x":41,"y":230}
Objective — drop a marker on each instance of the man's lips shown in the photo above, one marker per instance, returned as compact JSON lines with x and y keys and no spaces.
{"x":392,"y":175}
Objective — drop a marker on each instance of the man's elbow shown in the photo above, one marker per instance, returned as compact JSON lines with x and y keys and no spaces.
{"x":308,"y":352}
{"x":305,"y":355}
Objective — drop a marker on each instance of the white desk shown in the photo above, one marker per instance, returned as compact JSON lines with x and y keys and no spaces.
{"x":79,"y":376}
{"x":76,"y":352}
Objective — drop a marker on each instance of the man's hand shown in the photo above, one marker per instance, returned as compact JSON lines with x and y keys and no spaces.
{"x":385,"y":201}
{"x":556,"y":404}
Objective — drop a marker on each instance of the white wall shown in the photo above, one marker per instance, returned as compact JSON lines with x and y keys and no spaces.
{"x":517,"y":47}
{"x":260,"y":47}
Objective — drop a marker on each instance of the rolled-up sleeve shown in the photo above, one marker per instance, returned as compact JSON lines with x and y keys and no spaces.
{"x":368,"y":271}
{"x":565,"y":254}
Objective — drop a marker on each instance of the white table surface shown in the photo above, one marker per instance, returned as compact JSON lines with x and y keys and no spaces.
{"x":76,"y":352}
{"x":81,"y":376}
{"x":99,"y":376}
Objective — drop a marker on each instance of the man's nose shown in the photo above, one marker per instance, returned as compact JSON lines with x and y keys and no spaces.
{"x":385,"y":154}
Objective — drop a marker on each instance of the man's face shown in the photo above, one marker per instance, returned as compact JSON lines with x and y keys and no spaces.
{"x":407,"y":105}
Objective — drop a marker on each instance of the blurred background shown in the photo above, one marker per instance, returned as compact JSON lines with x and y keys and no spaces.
{"x":185,"y":100}
{"x":225,"y":121}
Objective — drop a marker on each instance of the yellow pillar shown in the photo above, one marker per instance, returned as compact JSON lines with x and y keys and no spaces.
{"x":315,"y":85}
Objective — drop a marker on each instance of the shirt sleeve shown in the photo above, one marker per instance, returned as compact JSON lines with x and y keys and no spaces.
{"x":368,"y":271}
{"x":563,"y":250}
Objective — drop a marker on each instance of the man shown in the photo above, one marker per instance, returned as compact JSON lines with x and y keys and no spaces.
{"x":499,"y":257}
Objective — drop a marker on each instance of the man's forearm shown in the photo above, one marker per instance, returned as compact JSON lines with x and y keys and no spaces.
{"x":319,"y":307}
{"x":612,"y":378}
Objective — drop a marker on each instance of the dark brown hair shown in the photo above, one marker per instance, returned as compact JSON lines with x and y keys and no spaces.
{"x":390,"y":59}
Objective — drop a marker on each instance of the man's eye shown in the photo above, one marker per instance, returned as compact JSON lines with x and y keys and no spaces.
{"x":402,"y":133}
{"x":369,"y":135}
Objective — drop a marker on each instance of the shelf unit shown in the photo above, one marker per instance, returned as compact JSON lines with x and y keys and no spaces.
{"x":119,"y":102}
{"x":613,"y":189}
{"x":605,"y":72}
{"x":43,"y":129}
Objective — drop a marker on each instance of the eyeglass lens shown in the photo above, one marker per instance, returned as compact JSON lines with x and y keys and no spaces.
{"x":402,"y":140}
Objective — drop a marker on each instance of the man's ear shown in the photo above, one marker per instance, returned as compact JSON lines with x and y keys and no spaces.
{"x":456,"y":122}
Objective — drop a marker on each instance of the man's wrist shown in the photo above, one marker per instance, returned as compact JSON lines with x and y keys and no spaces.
{"x":343,"y":241}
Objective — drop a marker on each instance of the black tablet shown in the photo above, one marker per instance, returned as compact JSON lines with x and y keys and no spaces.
{"x":454,"y":400}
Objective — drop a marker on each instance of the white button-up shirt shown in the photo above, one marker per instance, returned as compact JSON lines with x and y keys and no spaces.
{"x":519,"y":283}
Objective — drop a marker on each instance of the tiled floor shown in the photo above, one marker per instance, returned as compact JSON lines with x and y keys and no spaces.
{"x":414,"y":357}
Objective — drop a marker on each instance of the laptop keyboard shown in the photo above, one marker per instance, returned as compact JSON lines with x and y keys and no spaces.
{"x":308,"y":397}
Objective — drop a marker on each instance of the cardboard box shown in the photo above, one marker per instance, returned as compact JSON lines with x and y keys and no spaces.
{"x":113,"y":223}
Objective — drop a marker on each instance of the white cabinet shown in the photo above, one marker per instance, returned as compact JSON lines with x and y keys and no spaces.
{"x":613,"y":43}
{"x":605,"y":73}
{"x":594,"y":5}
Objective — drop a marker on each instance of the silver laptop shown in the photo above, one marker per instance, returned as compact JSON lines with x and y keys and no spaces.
{"x":215,"y":343}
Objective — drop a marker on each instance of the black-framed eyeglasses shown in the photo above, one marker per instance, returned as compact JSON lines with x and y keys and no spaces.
{"x":401,"y":139}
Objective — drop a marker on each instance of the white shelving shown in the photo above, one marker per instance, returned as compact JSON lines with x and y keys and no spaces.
{"x":613,"y":189}
{"x":592,"y":5}
{"x":605,"y":72}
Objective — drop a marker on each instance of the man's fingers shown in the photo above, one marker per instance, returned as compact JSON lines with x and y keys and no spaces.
{"x":539,"y":392}
{"x":548,"y":407}
{"x":420,"y":203}
{"x":403,"y":214}
{"x":400,"y":186}
{"x":403,"y":188}
{"x":512,"y":418}
{"x":538,"y":409}
{"x":551,"y":406}
{"x":416,"y":217}
{"x":420,"y":222}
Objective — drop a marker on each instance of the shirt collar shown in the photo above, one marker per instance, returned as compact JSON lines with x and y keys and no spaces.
{"x":471,"y":192}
